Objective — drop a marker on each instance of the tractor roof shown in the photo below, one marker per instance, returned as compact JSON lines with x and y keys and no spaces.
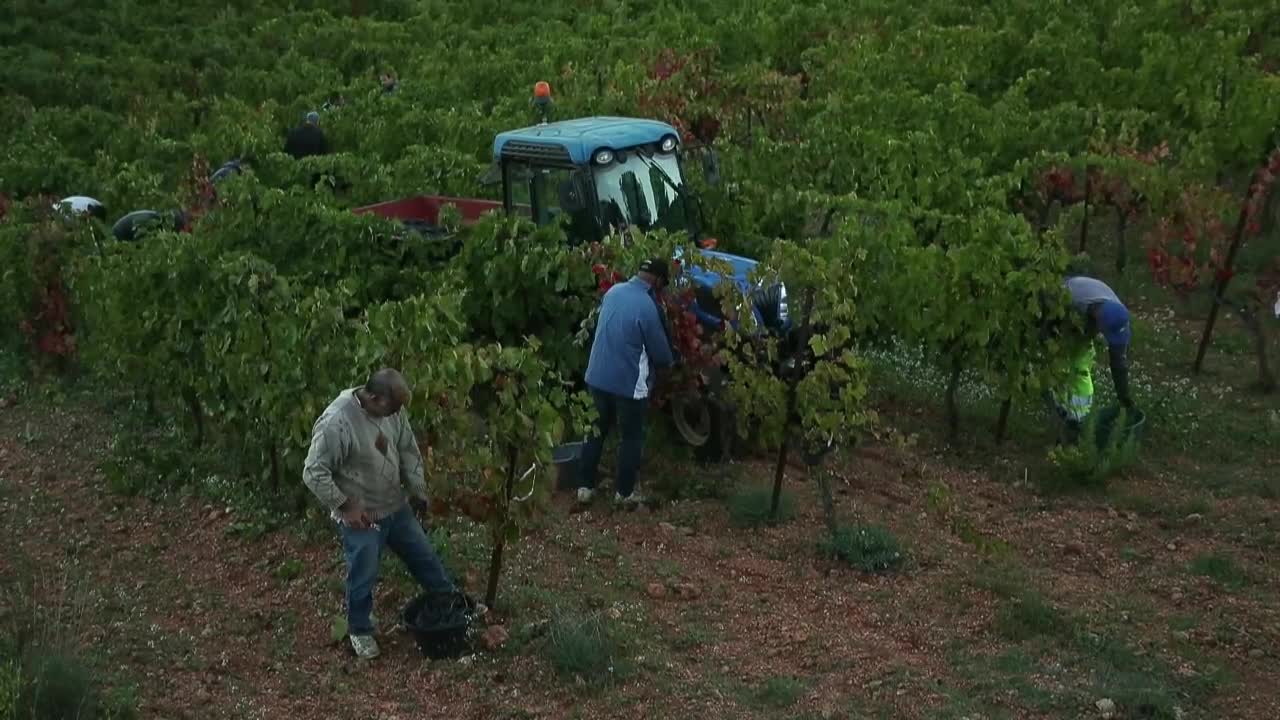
{"x":575,"y":141}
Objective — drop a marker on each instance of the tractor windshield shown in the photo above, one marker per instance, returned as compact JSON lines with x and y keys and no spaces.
{"x":643,"y":191}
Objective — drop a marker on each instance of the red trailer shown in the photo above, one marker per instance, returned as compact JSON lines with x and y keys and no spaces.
{"x":425,"y":209}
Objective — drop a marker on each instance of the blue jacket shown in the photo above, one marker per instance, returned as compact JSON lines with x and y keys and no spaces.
{"x":630,"y":341}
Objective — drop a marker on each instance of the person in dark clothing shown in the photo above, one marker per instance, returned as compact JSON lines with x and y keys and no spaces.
{"x":630,"y":344}
{"x":229,"y":168}
{"x":136,"y":224}
{"x":307,"y":139}
{"x":389,"y":83}
{"x":334,"y":102}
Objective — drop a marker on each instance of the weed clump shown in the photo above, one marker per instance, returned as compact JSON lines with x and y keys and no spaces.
{"x":1106,"y":446}
{"x":584,"y":647}
{"x":870,"y":548}
{"x":1219,"y":568}
{"x":779,"y":692}
{"x":749,"y":507}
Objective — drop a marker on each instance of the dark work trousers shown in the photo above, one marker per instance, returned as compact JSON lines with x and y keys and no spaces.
{"x":628,"y":414}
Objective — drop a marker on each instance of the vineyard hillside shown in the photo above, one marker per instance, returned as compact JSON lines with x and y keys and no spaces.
{"x":973,"y":308}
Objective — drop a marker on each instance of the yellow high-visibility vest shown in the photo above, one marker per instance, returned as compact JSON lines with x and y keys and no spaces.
{"x":1076,"y":396}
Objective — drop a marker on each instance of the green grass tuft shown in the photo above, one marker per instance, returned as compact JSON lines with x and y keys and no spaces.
{"x":749,"y":507}
{"x":584,"y":647}
{"x":1220,"y":568}
{"x":779,"y":692}
{"x":869,"y":548}
{"x":1029,"y":616}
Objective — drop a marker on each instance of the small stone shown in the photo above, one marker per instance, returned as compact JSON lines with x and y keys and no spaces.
{"x":1074,"y":548}
{"x":1106,"y":708}
{"x":667,"y":527}
{"x":1171,"y":547}
{"x":1257,"y":653}
{"x":614,"y":613}
{"x":1194,"y":518}
{"x":687,"y":591}
{"x":1176,"y":596}
{"x":1182,"y":635}
{"x":213,"y":515}
{"x":657,"y":591}
{"x":494,"y":637}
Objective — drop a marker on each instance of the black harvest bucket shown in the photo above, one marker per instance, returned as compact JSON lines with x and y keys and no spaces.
{"x":567,"y":459}
{"x":439,"y":622}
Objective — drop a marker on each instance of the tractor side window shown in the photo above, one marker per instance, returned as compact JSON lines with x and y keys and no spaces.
{"x":520,"y":178}
{"x":561,"y":197}
{"x":554,"y":193}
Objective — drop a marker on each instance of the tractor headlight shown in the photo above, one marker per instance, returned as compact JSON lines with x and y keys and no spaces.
{"x":668,"y":143}
{"x":603,"y":157}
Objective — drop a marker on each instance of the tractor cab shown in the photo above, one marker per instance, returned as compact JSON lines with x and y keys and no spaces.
{"x":600,"y":173}
{"x":610,"y":174}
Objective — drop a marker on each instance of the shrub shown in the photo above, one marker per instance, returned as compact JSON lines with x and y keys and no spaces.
{"x":870,"y":548}
{"x":43,"y":673}
{"x":1088,"y":464}
{"x":10,"y":682}
{"x":55,"y":684}
{"x":749,"y":507}
{"x":289,"y":570}
{"x":1220,"y":568}
{"x":1028,"y":616}
{"x":584,"y":647}
{"x":779,"y":692}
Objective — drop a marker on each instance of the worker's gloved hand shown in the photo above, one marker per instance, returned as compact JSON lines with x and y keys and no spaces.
{"x":354,"y":515}
{"x":419,"y":505}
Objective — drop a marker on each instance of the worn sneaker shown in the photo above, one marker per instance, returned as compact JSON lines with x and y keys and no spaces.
{"x":585,"y":495}
{"x":365,"y":646}
{"x":630,"y":502}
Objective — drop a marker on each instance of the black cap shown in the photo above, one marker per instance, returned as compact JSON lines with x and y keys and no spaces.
{"x":661,"y":267}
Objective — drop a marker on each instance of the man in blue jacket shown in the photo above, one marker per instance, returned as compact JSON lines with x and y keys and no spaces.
{"x":630,"y":346}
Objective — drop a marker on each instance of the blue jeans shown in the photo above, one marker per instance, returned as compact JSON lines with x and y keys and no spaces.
{"x":363,"y":548}
{"x":628,"y":413}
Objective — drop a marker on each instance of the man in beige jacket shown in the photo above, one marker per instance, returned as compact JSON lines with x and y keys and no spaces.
{"x":363,"y":454}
